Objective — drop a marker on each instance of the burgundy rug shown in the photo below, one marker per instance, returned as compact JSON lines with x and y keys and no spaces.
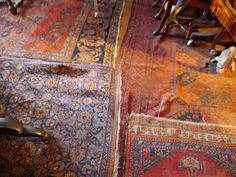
{"x":147,"y":66}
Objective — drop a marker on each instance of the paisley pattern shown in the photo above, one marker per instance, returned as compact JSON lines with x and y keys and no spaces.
{"x":74,"y":103}
{"x":97,"y":40}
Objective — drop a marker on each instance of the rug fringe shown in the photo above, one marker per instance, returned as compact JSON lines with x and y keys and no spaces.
{"x":179,"y":121}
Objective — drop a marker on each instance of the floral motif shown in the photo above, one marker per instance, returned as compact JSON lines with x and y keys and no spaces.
{"x":67,"y":107}
{"x":77,"y":154}
{"x":188,"y":78}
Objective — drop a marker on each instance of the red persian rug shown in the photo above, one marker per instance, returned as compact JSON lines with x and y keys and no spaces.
{"x":147,"y":66}
{"x":163,"y":77}
{"x":61,"y":31}
{"x":170,"y":148}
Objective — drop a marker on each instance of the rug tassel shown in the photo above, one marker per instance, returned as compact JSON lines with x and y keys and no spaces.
{"x":166,"y":98}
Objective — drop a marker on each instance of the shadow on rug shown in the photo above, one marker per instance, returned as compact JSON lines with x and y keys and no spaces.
{"x":167,"y":148}
{"x":74,"y":103}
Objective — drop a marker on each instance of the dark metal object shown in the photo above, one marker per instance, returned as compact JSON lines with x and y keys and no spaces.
{"x":16,"y":128}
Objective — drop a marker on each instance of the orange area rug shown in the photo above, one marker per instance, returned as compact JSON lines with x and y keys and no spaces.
{"x":147,"y":66}
{"x":213,"y":94}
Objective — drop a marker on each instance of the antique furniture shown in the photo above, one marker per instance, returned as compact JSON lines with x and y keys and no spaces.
{"x":160,"y":12}
{"x":95,"y":5}
{"x":187,"y":10}
{"x":13,"y":5}
{"x":225,"y":12}
{"x":16,"y":128}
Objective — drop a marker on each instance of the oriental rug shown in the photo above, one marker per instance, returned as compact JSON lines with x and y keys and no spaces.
{"x":163,"y":77}
{"x":59,"y":30}
{"x":166,"y":148}
{"x":74,"y":103}
{"x":147,"y":66}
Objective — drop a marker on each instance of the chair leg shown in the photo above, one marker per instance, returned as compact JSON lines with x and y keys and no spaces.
{"x":190,"y":28}
{"x":16,"y":128}
{"x":156,"y":3}
{"x":35,"y":132}
{"x":95,"y":3}
{"x":201,"y":36}
{"x":216,"y":39}
{"x":160,"y":12}
{"x":169,"y":4}
{"x":11,"y":7}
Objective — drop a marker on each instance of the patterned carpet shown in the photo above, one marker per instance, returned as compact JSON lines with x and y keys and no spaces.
{"x":201,"y":87}
{"x":74,"y":103}
{"x":147,"y":67}
{"x":168,"y":148}
{"x":162,"y":77}
{"x":59,"y":30}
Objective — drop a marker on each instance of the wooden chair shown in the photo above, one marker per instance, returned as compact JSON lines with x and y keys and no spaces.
{"x":161,"y":10}
{"x":179,"y":14}
{"x":225,"y":12}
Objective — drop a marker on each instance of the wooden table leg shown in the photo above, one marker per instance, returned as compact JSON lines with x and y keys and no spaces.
{"x":216,"y":39}
{"x":158,"y":14}
{"x":156,"y":3}
{"x":11,"y":7}
{"x":95,"y":4}
{"x":169,"y":4}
